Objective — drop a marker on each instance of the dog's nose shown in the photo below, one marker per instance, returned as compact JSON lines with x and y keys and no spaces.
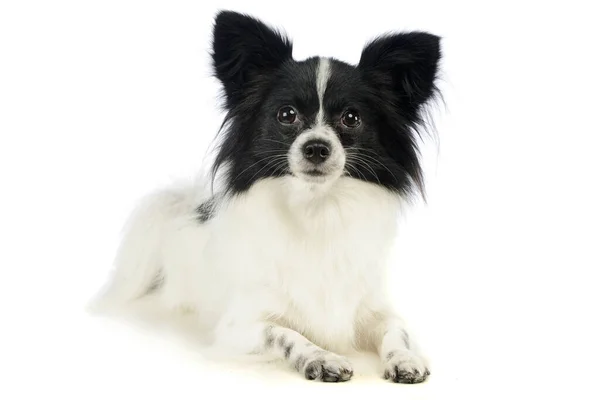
{"x":316,"y":151}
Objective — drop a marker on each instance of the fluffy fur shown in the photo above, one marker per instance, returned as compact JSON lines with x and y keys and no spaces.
{"x":286,"y":254}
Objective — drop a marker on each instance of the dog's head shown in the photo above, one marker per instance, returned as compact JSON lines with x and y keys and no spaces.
{"x":319,"y":119}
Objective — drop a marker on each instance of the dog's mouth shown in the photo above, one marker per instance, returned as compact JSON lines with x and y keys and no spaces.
{"x":314,"y":172}
{"x":314,"y":175}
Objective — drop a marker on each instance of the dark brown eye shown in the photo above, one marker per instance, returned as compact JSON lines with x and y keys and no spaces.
{"x":351,"y":119}
{"x":287,"y":115}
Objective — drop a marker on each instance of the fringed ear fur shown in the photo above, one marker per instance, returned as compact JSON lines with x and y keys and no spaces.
{"x":404,"y":66}
{"x":243,"y":48}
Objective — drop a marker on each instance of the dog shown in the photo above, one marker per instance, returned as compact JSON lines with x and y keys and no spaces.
{"x":282,"y":251}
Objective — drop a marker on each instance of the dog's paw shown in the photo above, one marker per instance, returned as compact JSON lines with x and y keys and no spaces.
{"x":328,"y":367}
{"x":405,"y":367}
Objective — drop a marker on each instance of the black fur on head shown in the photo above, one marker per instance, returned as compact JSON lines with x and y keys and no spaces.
{"x":388,"y":88}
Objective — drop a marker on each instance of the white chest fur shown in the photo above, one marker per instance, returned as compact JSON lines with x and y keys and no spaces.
{"x":309,"y":261}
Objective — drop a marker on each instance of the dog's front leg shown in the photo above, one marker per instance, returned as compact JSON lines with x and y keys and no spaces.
{"x":286,"y":344}
{"x":387,"y":334}
{"x":401,"y":360}
{"x":304,"y":356}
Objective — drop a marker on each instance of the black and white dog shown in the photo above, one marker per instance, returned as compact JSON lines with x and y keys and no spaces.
{"x":283,"y":252}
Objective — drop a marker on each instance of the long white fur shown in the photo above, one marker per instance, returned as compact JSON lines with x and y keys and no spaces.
{"x":291,"y":268}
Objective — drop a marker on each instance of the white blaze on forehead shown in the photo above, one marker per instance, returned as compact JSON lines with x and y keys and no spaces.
{"x":320,"y":130}
{"x":323,"y":74}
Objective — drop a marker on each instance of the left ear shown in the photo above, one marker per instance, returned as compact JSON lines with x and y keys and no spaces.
{"x":244,"y":48}
{"x":405,"y":64}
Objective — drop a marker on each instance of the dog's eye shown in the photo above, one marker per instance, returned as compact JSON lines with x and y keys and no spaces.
{"x":287,"y":115}
{"x":351,"y":119}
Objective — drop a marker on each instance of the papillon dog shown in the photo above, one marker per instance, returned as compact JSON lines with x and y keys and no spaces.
{"x":282,"y":249}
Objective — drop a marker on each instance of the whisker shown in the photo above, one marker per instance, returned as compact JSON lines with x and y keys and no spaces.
{"x":365,"y":164}
{"x":282,"y":165}
{"x":272,"y":161}
{"x":258,"y":162}
{"x":377,"y":161}
{"x":358,"y":172}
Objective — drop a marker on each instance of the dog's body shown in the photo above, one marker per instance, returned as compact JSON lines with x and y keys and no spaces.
{"x":287,"y":256}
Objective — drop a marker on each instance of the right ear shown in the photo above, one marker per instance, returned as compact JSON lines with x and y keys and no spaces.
{"x":244,"y":48}
{"x":404,"y":65}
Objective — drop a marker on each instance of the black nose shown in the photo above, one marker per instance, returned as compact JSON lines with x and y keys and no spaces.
{"x":316,"y":151}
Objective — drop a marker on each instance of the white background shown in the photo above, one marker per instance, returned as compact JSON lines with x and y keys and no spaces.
{"x":102,"y":101}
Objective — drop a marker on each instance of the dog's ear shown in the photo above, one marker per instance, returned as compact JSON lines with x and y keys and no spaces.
{"x":405,"y":66}
{"x":244,"y":48}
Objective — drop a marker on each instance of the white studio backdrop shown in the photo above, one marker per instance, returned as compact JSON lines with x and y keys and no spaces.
{"x":101,"y":102}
